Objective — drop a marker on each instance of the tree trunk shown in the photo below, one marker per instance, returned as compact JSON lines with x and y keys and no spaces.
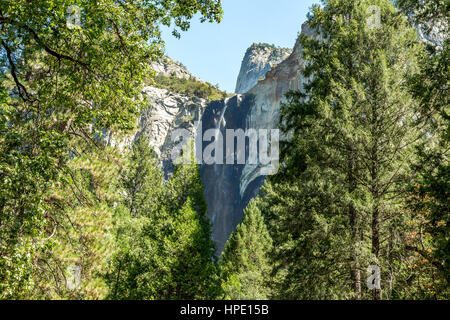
{"x":354,"y":224}
{"x":375,"y":194}
{"x":391,"y":260}
{"x":376,"y":243}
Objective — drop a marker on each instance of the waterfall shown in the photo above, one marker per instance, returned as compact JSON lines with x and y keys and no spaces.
{"x":220,"y":123}
{"x":222,"y":116}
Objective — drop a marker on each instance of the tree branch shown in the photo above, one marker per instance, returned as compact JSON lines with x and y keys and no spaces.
{"x":426,"y":256}
{"x":23,"y":93}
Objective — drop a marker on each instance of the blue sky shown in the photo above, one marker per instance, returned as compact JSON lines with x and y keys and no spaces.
{"x":214,"y":52}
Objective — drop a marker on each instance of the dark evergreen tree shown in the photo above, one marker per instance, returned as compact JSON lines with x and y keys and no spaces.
{"x":165,"y":251}
{"x":347,"y":165}
{"x":429,"y":201}
{"x":245,"y":266}
{"x":195,"y":272}
{"x":143,"y":179}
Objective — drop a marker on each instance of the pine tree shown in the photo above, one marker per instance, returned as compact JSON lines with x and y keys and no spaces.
{"x":186,"y":182}
{"x":193,"y":269}
{"x":84,"y":209}
{"x":353,"y":131}
{"x":143,"y":179}
{"x":429,"y":201}
{"x":195,"y":273}
{"x":165,"y":252}
{"x":245,"y":268}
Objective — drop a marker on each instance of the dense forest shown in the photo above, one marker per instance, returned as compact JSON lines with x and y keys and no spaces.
{"x":363,"y":184}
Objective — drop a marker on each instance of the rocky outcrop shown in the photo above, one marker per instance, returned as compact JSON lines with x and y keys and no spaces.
{"x":167,"y":111}
{"x":268,"y":95}
{"x":167,"y":67}
{"x":258,"y":59}
{"x":266,"y":75}
{"x":229,"y":188}
{"x":433,"y":35}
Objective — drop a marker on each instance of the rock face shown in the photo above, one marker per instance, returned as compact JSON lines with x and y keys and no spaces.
{"x":170,"y":68}
{"x":267,"y":74}
{"x":167,"y":112}
{"x":229,"y":188}
{"x":258,"y":59}
{"x":433,"y":35}
{"x":222,"y":181}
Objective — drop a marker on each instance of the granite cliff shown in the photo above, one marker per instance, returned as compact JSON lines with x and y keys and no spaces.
{"x":258,"y":59}
{"x":167,"y":112}
{"x":229,"y":188}
{"x":267,"y":74}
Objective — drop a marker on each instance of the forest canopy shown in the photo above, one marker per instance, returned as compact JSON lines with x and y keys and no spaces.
{"x":362,"y":189}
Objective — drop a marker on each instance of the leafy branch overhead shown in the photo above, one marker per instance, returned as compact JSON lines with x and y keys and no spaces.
{"x":63,"y":81}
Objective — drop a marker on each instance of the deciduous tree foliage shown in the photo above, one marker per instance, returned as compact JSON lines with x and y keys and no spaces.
{"x":62,"y":83}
